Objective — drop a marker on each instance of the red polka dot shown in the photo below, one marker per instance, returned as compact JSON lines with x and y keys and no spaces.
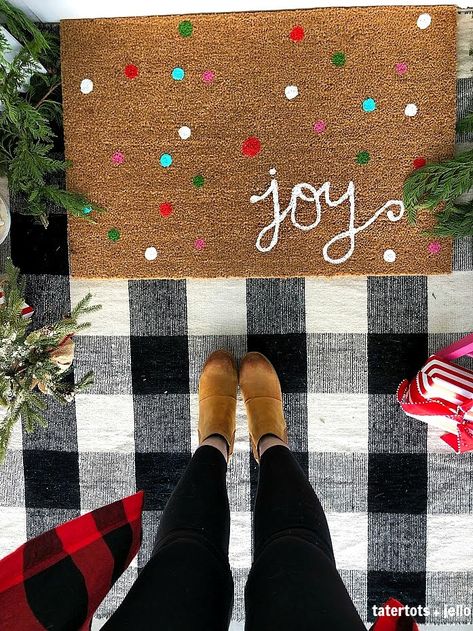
{"x":165,"y":209}
{"x":251,"y":146}
{"x":131,"y":71}
{"x":418,"y":163}
{"x":297,"y":34}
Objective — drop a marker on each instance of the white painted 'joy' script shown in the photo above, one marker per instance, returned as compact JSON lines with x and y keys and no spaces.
{"x":309,"y":193}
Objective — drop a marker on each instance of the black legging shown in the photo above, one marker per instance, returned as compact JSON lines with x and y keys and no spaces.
{"x":293,"y":584}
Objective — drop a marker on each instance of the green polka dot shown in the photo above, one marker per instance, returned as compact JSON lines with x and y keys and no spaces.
{"x":185,"y":28}
{"x":338,"y":59}
{"x":363,"y":157}
{"x":113,"y":234}
{"x":198,"y":181}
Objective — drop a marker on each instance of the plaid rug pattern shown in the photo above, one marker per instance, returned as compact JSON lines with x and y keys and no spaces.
{"x":398,"y":502}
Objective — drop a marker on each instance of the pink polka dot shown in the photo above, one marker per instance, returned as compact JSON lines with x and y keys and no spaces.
{"x":208,"y":76}
{"x":434,"y":247}
{"x":199,"y":244}
{"x":319,"y":126}
{"x":118,"y":157}
{"x":401,"y":68}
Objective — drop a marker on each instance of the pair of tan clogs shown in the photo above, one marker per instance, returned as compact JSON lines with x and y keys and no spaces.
{"x":261,"y":390}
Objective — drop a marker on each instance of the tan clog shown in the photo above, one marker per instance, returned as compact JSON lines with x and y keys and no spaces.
{"x":218,"y":386}
{"x":261,"y":390}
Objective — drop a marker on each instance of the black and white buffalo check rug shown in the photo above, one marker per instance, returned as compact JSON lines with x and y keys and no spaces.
{"x":398,"y":501}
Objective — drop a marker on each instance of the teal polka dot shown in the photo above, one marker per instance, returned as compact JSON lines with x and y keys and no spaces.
{"x":87,"y":210}
{"x":178,"y":74}
{"x":369,"y":105}
{"x":165,"y":160}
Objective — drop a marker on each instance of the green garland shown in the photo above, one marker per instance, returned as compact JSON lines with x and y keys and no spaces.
{"x":28,"y":362}
{"x":436,"y":187}
{"x":30,"y":109}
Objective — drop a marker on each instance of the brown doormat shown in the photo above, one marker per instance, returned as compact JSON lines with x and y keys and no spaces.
{"x":256,"y":144}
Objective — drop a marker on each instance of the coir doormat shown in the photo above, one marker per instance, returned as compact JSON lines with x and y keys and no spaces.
{"x":256,"y":144}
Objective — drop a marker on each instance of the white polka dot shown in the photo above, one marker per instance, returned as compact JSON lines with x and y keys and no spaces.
{"x":184,"y":132}
{"x":272,"y":171}
{"x":424,"y":20}
{"x":151,"y":253}
{"x":411,"y":109}
{"x":389,"y":256}
{"x":86,"y":86}
{"x":291,"y":91}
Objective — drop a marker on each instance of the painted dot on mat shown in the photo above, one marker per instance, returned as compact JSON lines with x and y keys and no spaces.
{"x":291,"y":91}
{"x":297,"y":34}
{"x":338,"y":59}
{"x":198,"y":181}
{"x":165,"y":160}
{"x":389,"y":256}
{"x":251,"y":146}
{"x":165,"y":209}
{"x":434,"y":247}
{"x":184,"y":132}
{"x":87,"y":210}
{"x":319,"y":126}
{"x":151,"y":253}
{"x":178,"y":74}
{"x":369,"y":105}
{"x":185,"y":28}
{"x":118,"y":157}
{"x":363,"y":157}
{"x":418,"y":163}
{"x":113,"y":234}
{"x":272,"y":171}
{"x":208,"y":76}
{"x":424,"y":21}
{"x":410,"y":109}
{"x":86,"y":86}
{"x":401,"y":68}
{"x":131,"y":71}
{"x":199,"y":244}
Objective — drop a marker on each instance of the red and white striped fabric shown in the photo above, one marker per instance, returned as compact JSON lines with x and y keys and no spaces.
{"x":441,"y":394}
{"x":441,"y":379}
{"x":26,"y":310}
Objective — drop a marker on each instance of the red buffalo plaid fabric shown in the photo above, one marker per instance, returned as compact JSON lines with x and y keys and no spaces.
{"x":57,"y":580}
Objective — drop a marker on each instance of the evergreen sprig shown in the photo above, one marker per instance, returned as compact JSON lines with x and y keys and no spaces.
{"x":436,"y":187}
{"x":29,"y":367}
{"x":465,"y":125}
{"x":30,"y":107}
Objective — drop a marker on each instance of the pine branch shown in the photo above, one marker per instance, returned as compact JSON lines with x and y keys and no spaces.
{"x":37,"y":359}
{"x":73,"y":202}
{"x":439,"y":184}
{"x":31,"y":103}
{"x":465,"y":125}
{"x":49,"y":91}
{"x":23,"y":29}
{"x":455,"y":221}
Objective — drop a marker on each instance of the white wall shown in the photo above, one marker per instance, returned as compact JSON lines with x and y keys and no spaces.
{"x":54,"y":10}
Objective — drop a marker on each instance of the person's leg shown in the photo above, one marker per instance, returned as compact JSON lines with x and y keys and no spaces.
{"x":187,"y":585}
{"x":293,"y":583}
